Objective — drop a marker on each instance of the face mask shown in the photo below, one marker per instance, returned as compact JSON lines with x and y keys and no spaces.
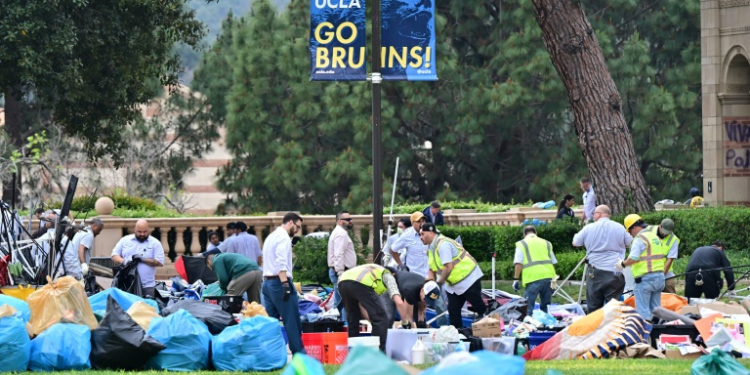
{"x":399,"y":230}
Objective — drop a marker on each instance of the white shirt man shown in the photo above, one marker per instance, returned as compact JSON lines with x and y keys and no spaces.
{"x":589,"y":200}
{"x":148,"y":249}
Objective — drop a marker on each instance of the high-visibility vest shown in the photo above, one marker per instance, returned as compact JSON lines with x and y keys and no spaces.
{"x":537,"y":259}
{"x":370,"y":275}
{"x":667,"y":244}
{"x":652,"y":258}
{"x":463,"y":263}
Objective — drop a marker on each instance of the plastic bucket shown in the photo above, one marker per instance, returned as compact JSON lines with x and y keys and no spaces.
{"x":538,"y":338}
{"x":313,"y":343}
{"x":335,"y":347}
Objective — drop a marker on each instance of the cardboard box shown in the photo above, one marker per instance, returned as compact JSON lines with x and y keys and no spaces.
{"x":724,"y":308}
{"x":675,"y":354}
{"x":489,"y":326}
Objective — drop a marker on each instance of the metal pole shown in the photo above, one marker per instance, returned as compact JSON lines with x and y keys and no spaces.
{"x":377,"y":168}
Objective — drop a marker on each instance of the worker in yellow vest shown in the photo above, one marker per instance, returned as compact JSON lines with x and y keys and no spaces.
{"x":360,"y":289}
{"x":648,"y":260}
{"x":670,"y":247}
{"x":535,"y":258}
{"x":459,"y":273}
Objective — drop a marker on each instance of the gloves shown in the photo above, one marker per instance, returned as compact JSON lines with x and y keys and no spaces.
{"x":287,"y":287}
{"x":136,"y":258}
{"x":84,"y":269}
{"x":618,"y":265}
{"x":553,"y":284}
{"x":401,"y":267}
{"x":516,"y":285}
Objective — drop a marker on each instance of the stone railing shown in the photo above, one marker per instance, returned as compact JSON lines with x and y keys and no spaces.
{"x":187,"y":235}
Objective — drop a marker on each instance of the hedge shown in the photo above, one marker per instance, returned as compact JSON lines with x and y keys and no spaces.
{"x":311,"y":259}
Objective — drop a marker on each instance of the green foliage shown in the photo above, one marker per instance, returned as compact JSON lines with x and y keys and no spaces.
{"x":89,"y":61}
{"x":498,"y":120}
{"x":504,"y":267}
{"x":479,"y":241}
{"x":479,"y":206}
{"x":311,"y":258}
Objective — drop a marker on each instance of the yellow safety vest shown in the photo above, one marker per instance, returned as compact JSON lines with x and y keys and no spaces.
{"x":652,"y":259}
{"x":463,"y":263}
{"x":667,"y":245}
{"x":537,"y":259}
{"x":370,"y":275}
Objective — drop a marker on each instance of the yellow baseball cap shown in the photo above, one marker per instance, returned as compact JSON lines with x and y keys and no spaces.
{"x":416,"y":216}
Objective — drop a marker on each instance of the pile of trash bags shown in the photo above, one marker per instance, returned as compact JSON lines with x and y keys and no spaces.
{"x":57,"y":330}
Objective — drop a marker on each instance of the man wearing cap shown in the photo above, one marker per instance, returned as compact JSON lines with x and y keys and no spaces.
{"x":360,"y":288}
{"x":670,"y":246}
{"x":605,"y":242}
{"x":415,"y":257}
{"x":704,"y":272}
{"x":648,"y":260}
{"x":433,"y":214}
{"x":459,"y":273}
{"x":535,"y":258}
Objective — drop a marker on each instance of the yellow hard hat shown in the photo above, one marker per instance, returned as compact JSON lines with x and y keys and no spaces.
{"x":630,"y":220}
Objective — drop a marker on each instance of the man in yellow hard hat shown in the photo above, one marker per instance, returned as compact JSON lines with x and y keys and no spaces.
{"x":648,"y":260}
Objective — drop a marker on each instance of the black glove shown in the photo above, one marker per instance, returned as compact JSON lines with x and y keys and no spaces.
{"x":137,"y":258}
{"x":287,"y":290}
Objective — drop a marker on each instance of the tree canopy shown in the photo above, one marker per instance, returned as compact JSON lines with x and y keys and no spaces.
{"x":498,"y":123}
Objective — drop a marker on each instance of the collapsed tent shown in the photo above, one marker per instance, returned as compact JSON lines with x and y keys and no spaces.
{"x":669,"y":301}
{"x":597,"y":335}
{"x":195,"y":268}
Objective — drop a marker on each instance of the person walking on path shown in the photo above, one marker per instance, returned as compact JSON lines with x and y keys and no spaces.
{"x":589,"y":201}
{"x":279,"y":294}
{"x":237,"y":275}
{"x":605,"y":242}
{"x":534,"y":257}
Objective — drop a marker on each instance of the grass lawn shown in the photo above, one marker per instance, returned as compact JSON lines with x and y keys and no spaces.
{"x":568,"y":367}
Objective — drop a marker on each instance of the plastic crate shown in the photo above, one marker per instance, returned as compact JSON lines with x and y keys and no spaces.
{"x":672,"y":329}
{"x":539,"y":338}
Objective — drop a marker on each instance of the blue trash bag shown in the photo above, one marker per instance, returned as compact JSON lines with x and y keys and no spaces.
{"x":480,"y":362}
{"x":187,"y":340}
{"x":99,"y":301}
{"x":62,"y":347}
{"x":302,"y":364}
{"x":256,"y":344}
{"x":15,"y":346}
{"x":20,"y":306}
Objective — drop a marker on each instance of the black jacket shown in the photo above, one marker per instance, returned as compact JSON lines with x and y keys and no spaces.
{"x":438,"y":217}
{"x":709,"y":257}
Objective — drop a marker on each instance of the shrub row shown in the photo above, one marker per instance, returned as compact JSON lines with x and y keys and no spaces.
{"x":480,"y":206}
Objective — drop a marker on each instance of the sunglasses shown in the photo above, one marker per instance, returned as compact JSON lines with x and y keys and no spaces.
{"x":347,"y":219}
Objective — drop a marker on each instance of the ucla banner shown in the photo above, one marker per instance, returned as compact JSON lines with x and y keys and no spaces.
{"x":337,"y":40}
{"x":408,"y":40}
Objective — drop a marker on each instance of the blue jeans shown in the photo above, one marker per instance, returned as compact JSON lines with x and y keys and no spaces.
{"x":539,"y":288}
{"x":273,"y":302}
{"x":648,"y":294}
{"x":336,"y":296}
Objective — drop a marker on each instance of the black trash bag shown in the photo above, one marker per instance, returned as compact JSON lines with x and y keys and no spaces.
{"x":196,"y":269}
{"x":212,"y":315}
{"x":513,"y":310}
{"x":90,"y":285}
{"x":127,"y":279}
{"x":119,"y":343}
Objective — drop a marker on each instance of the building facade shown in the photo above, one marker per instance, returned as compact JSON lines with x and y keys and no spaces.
{"x":725,"y":76}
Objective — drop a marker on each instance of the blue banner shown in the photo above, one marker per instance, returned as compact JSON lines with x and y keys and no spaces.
{"x":337,"y":40}
{"x":408,"y":40}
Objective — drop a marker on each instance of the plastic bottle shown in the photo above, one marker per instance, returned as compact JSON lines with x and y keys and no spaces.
{"x":417,"y":352}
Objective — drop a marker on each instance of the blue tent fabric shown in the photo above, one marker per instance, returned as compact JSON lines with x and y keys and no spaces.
{"x":125,"y":300}
{"x":187,"y":340}
{"x":256,"y":344}
{"x":61,"y":347}
{"x":15,"y":346}
{"x":20,"y":306}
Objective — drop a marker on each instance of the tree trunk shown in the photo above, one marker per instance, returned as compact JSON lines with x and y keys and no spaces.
{"x":13,"y":125}
{"x":600,"y":124}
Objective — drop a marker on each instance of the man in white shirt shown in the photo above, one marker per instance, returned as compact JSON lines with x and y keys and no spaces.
{"x":589,"y":200}
{"x":415,"y":252}
{"x":146,"y":250}
{"x":78,"y":252}
{"x":279,"y":294}
{"x":341,"y":255}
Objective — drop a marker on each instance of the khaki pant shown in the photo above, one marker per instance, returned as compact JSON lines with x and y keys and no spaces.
{"x":249,"y":282}
{"x":670,"y":285}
